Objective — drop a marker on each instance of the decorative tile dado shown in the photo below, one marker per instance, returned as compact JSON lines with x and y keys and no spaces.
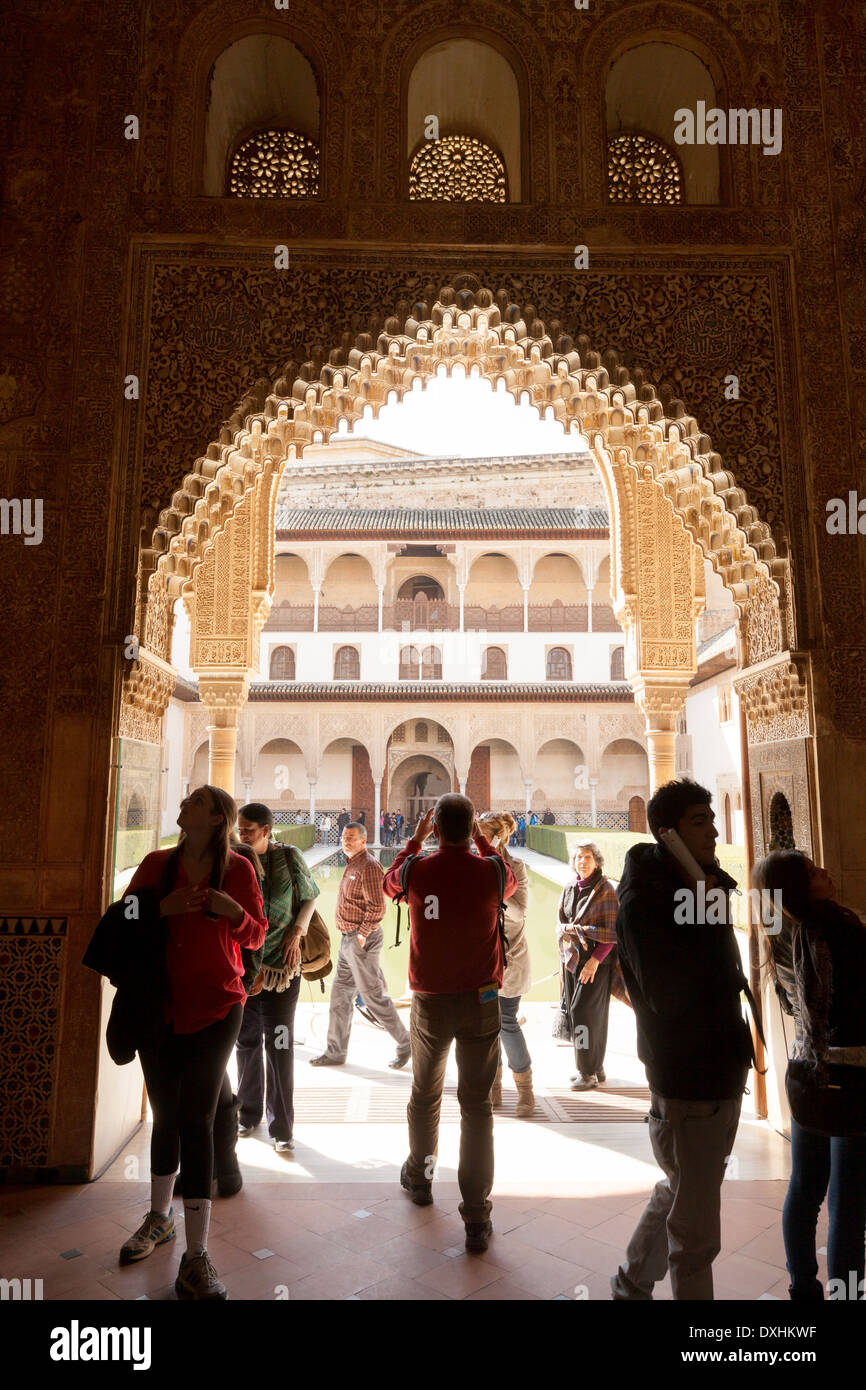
{"x":31,"y":957}
{"x":33,"y":926}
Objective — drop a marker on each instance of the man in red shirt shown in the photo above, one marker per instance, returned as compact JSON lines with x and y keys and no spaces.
{"x":455,"y":972}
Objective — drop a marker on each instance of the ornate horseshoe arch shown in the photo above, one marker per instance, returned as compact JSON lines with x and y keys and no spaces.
{"x":672,"y":504}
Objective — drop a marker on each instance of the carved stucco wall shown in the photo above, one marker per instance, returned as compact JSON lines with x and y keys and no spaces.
{"x":781,"y":767}
{"x":313,"y":726}
{"x":200,"y":323}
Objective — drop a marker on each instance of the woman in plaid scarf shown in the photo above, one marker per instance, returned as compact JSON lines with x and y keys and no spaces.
{"x":586,"y":935}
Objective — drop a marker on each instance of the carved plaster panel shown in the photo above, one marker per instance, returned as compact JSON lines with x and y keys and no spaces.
{"x":776,"y":702}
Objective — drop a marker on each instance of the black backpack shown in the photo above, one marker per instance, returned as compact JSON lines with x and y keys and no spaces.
{"x":403,"y":897}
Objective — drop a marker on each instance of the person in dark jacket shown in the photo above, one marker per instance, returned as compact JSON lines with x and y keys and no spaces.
{"x":684,"y":977}
{"x":128,"y":948}
{"x":818,"y":959}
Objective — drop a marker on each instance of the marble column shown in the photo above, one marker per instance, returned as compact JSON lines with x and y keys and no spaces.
{"x":377,"y":807}
{"x":593,"y":805}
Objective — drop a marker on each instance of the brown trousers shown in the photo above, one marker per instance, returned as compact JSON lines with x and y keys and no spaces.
{"x":438,"y":1020}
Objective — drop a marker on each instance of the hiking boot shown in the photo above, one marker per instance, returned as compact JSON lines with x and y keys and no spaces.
{"x":197,"y":1278}
{"x":525,"y":1106}
{"x":496,"y":1089}
{"x":420,"y":1193}
{"x":478,"y":1235}
{"x":155,"y":1230}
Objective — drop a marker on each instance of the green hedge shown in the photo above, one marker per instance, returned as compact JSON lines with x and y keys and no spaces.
{"x":301,"y":836}
{"x":557,"y":841}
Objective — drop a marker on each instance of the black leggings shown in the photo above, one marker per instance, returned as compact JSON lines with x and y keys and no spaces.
{"x":186,"y":1080}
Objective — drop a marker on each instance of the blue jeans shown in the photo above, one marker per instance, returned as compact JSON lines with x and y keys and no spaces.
{"x":511,"y":1036}
{"x":835,"y":1168}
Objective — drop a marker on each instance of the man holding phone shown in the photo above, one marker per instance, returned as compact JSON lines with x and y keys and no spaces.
{"x":684,"y":979}
{"x":455,"y":972}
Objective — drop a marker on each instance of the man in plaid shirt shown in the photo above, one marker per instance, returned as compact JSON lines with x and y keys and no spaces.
{"x":360,"y":909}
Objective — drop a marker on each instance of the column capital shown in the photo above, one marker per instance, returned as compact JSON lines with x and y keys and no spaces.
{"x":223,"y":696}
{"x":660,"y":700}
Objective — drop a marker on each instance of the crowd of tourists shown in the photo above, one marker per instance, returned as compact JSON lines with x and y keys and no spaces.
{"x":391,"y":825}
{"x":208,"y":947}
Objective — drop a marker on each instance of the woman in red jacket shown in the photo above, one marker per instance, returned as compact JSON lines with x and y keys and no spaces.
{"x":211,"y":904}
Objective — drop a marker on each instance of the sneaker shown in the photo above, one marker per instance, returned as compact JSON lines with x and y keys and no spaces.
{"x":478,"y":1235}
{"x":403,"y":1056}
{"x":247,"y":1131}
{"x":284,"y":1146}
{"x":197,"y":1278}
{"x":585,"y":1083}
{"x":420,"y":1193}
{"x":155,"y":1230}
{"x":326,"y":1060}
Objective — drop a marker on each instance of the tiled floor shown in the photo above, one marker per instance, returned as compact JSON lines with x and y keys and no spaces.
{"x":367,"y":1241}
{"x":332,"y":1223}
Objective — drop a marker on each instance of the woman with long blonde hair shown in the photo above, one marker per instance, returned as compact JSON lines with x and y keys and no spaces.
{"x":498,"y":827}
{"x":211,"y":906}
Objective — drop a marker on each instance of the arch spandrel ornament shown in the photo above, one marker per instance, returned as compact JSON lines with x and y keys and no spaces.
{"x":667,"y":490}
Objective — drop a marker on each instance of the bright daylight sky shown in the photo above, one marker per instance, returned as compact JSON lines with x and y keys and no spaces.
{"x":466,"y":418}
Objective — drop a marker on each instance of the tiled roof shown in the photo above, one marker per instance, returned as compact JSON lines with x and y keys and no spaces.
{"x":441,"y":520}
{"x":572,"y":691}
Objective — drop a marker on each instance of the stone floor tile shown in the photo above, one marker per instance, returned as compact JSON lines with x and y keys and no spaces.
{"x":362,"y":1233}
{"x":401,"y":1289}
{"x":546,"y":1232}
{"x":441,"y":1233}
{"x":262,"y":1279}
{"x":352,"y":1275}
{"x":312,"y":1252}
{"x":408,"y":1256}
{"x":750,"y":1278}
{"x":462,"y":1276}
{"x":617,"y":1231}
{"x":597,"y":1255}
{"x":502,"y":1290}
{"x":546,"y":1275}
